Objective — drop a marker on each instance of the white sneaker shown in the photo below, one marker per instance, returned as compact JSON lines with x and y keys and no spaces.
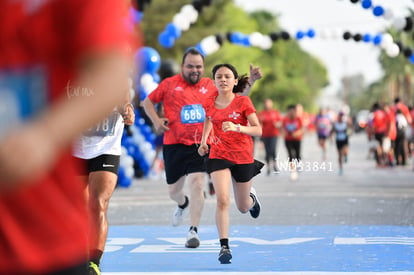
{"x":178,"y":216}
{"x":192,"y":239}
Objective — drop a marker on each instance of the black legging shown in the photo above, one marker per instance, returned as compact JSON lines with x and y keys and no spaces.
{"x":293,"y":148}
{"x":270,"y":148}
{"x":399,"y":150}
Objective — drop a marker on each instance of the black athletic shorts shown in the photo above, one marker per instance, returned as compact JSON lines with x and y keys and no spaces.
{"x":341,"y":144}
{"x":181,"y":160}
{"x":104,"y":162}
{"x":239,"y":172}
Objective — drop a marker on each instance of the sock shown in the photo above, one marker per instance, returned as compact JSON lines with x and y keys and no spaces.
{"x":95,"y":256}
{"x":193,"y":228}
{"x":185,"y":204}
{"x":254,"y":200}
{"x":224,"y":242}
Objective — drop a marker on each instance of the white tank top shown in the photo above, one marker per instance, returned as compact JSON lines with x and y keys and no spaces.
{"x":104,"y":138}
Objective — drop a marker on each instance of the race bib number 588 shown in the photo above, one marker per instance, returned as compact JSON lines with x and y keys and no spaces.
{"x":192,"y":114}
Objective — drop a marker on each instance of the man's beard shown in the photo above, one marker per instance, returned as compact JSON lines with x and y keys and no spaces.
{"x":193,"y":78}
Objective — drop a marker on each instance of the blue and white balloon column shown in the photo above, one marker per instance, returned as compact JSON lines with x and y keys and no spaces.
{"x":138,"y":143}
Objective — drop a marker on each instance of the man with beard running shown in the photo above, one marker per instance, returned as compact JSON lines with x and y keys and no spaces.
{"x":182,"y":96}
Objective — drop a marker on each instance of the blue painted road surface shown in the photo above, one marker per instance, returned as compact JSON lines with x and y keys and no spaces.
{"x":257,"y":249}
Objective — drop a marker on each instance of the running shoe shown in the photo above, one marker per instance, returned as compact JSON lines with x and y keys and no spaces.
{"x":225,"y":255}
{"x":192,"y":239}
{"x":178,"y":215}
{"x":255,"y":210}
{"x":94,"y":269}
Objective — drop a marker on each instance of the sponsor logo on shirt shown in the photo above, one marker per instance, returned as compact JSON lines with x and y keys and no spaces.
{"x":234,"y":115}
{"x":179,"y":89}
{"x":203,"y":90}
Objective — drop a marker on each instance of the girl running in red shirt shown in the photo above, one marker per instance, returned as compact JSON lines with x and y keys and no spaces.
{"x":233,"y":121}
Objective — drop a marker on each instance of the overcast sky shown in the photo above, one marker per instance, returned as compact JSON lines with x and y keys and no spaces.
{"x":341,"y":57}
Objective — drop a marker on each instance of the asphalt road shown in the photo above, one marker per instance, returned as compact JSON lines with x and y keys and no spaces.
{"x":363,"y":195}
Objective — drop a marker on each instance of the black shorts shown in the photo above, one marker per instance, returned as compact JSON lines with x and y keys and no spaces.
{"x":108,"y":163}
{"x":379,"y":137}
{"x":341,"y":144}
{"x":181,"y":160}
{"x":239,"y":172}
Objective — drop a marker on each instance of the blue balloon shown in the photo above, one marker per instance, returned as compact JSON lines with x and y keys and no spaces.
{"x":378,"y":11}
{"x":200,"y":49}
{"x":366,"y":4}
{"x":377,"y":39}
{"x":147,"y":60}
{"x":156,"y":77}
{"x":135,"y":15}
{"x":246,"y":41}
{"x":124,"y":181}
{"x":411,"y":59}
{"x":236,"y":37}
{"x":173,"y":30}
{"x":299,"y":35}
{"x":166,"y":40}
{"x":311,"y":33}
{"x":366,"y":37}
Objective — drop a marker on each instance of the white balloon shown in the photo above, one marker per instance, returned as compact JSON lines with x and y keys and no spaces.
{"x":324,"y":33}
{"x":336,"y":33}
{"x":399,"y":23}
{"x":124,"y":151}
{"x":386,"y":40}
{"x":129,"y":172}
{"x":138,"y":139}
{"x":146,"y":79}
{"x":209,"y":44}
{"x":128,"y":161}
{"x":392,"y":50}
{"x":388,"y":14}
{"x":149,"y":156}
{"x":266,"y":42}
{"x":256,"y":39}
{"x":181,"y":21}
{"x":151,"y":87}
{"x":190,"y":12}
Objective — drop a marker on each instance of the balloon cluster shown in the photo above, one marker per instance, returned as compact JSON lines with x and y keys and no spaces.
{"x":148,"y":62}
{"x":383,"y":40}
{"x":181,"y":22}
{"x":126,"y":165}
{"x":139,"y":146}
{"x":399,"y":23}
{"x":212,"y":43}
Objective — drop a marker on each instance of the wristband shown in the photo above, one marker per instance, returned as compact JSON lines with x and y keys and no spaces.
{"x":238,"y":128}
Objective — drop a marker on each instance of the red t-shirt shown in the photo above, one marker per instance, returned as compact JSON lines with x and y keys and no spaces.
{"x":291,"y":125}
{"x":268,"y":119}
{"x":43,"y":227}
{"x":182,"y":104}
{"x":392,"y":127}
{"x":232,"y":146}
{"x":380,"y":122}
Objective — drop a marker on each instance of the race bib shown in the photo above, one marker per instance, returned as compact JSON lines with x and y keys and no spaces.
{"x":23,"y":94}
{"x":192,"y":114}
{"x":291,"y":127}
{"x":104,"y":128}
